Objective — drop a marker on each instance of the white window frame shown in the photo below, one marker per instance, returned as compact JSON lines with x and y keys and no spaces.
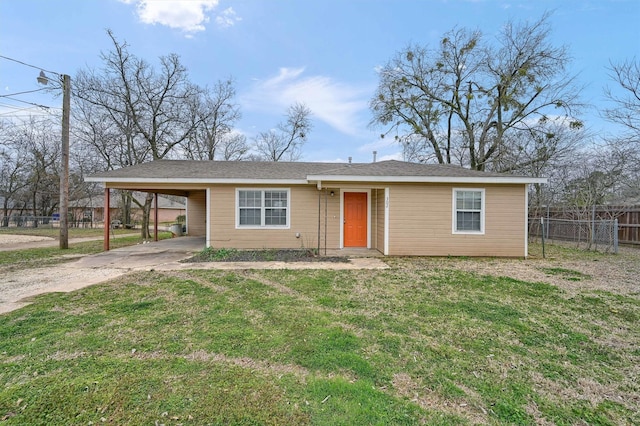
{"x":263,"y":209}
{"x":455,"y":210}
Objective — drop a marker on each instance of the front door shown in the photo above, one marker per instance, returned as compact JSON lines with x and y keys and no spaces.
{"x":355,"y":219}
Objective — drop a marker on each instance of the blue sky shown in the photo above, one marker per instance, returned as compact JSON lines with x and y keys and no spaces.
{"x":320,"y":52}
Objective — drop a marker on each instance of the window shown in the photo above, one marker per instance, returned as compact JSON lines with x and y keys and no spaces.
{"x":257,"y":208}
{"x":468,"y":211}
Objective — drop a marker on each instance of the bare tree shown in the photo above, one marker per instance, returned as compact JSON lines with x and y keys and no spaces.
{"x":626,"y":99}
{"x":150,"y":110}
{"x":625,"y":111}
{"x":29,"y":168}
{"x":597,"y":179}
{"x":214,"y":137}
{"x":285,"y":142}
{"x":14,"y":169}
{"x":462,"y":101}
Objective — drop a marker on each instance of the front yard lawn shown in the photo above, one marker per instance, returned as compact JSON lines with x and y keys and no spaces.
{"x":408,"y":345}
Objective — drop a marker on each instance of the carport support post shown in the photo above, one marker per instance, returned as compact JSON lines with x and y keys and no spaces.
{"x":155,"y":216}
{"x":107,"y":219}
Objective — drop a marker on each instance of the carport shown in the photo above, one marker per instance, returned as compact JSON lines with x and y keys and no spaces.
{"x":195,"y":211}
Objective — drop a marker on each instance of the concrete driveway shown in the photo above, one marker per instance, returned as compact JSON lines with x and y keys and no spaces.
{"x":145,"y":256}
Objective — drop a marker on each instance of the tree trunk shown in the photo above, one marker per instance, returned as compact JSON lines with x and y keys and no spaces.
{"x":146,"y":209}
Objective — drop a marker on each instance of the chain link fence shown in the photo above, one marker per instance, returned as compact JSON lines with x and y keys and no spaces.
{"x":598,"y":235}
{"x":29,"y":221}
{"x":42,"y":222}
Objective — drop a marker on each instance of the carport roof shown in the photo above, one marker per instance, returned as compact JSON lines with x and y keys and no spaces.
{"x":188,"y":171}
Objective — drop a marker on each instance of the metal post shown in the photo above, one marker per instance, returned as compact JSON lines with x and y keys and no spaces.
{"x":542,"y":226}
{"x":155,"y":217}
{"x":615,"y":236}
{"x":64,"y":174}
{"x":107,"y":218}
{"x":593,"y":225}
{"x":548,"y":221}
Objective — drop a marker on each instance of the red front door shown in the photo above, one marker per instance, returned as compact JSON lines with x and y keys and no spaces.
{"x":355,"y":219}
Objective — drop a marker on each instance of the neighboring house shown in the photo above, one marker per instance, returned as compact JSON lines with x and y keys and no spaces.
{"x":394,"y":207}
{"x":91,"y":209}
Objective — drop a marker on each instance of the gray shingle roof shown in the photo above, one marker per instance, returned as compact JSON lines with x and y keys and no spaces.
{"x":229,"y":171}
{"x":186,"y":169}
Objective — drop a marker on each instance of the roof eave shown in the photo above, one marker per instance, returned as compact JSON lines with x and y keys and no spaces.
{"x":324,"y":178}
{"x":428,"y":179}
{"x":191,"y":181}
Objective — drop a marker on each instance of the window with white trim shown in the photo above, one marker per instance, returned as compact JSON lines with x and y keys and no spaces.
{"x":262,"y":208}
{"x":468,"y":211}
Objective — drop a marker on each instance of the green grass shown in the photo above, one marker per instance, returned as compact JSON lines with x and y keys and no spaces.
{"x":568,"y":274}
{"x":403,"y":346}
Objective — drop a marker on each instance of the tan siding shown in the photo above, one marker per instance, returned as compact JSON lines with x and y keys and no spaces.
{"x":420,"y":218}
{"x":421,"y":222}
{"x":332,"y":219}
{"x":196,"y":213}
{"x":303,"y":217}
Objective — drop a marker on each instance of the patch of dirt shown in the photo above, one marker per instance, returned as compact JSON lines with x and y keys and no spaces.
{"x":20,"y":239}
{"x":18,"y":287}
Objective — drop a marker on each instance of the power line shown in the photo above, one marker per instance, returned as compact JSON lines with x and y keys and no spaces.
{"x":28,"y":65}
{"x":22,"y":93}
{"x":16,"y":113}
{"x":28,"y":103}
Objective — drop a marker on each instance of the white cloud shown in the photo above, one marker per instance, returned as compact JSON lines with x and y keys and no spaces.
{"x":227,"y":18}
{"x":337,"y":104}
{"x":189,"y":16}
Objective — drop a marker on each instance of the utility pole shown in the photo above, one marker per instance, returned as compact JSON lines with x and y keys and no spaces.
{"x":65,"y":80}
{"x":64,"y":175}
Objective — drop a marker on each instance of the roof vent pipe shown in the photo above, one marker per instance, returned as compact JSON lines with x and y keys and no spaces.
{"x":375,"y":153}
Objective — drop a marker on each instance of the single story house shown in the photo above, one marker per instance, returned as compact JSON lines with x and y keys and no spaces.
{"x":395,"y":207}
